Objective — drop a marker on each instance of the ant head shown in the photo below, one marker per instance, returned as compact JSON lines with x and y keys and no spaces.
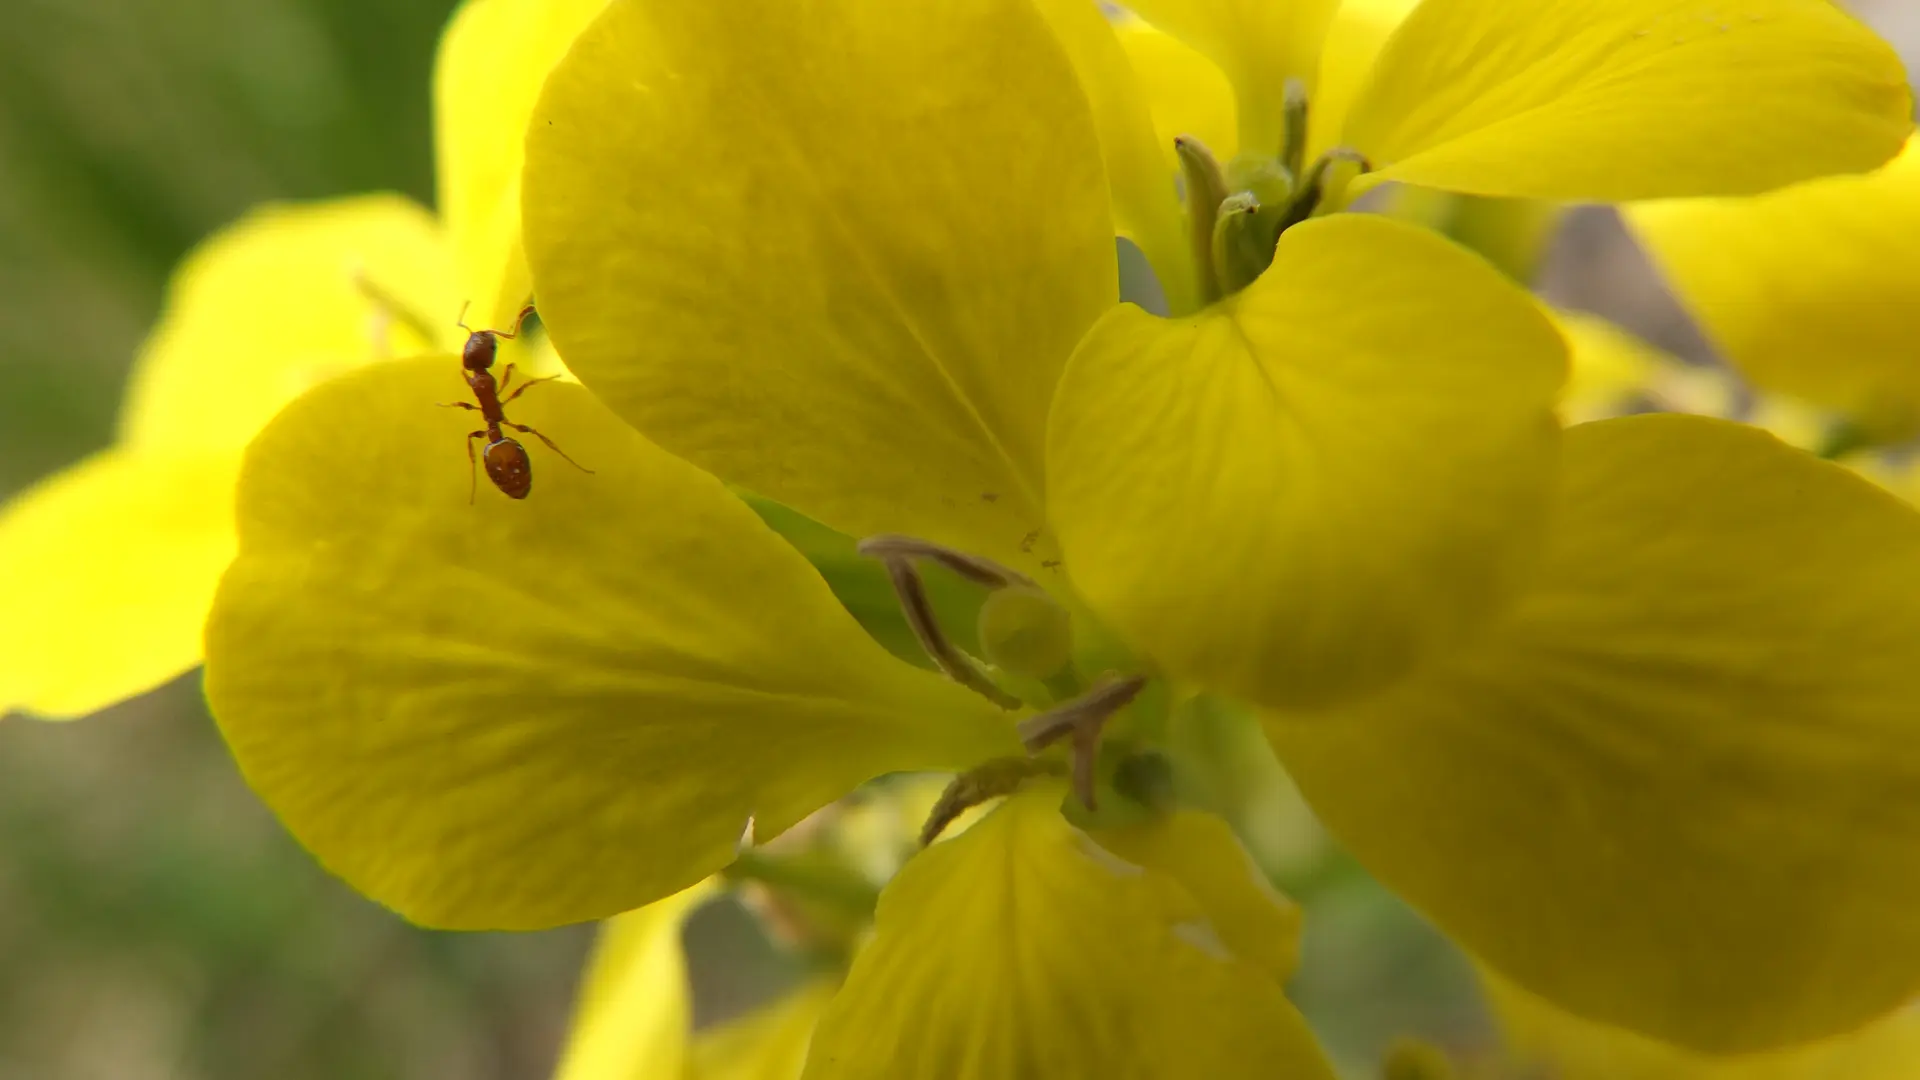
{"x":479,"y":350}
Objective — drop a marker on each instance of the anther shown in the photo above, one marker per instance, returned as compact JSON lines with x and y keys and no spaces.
{"x":972,"y":567}
{"x":1001,"y":776}
{"x":1293,"y":146}
{"x":948,"y":657}
{"x":1081,"y":720}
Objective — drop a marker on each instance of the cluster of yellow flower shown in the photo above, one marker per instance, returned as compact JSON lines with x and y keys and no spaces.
{"x":1628,"y":706}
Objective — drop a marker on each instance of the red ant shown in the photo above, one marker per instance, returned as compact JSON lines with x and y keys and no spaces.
{"x":507,"y":464}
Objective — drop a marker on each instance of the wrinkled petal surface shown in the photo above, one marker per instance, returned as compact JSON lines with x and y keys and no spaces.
{"x":493,"y":60}
{"x":1629,"y":99}
{"x":515,"y":714}
{"x":107,"y":569}
{"x":1811,"y":290}
{"x":849,"y":285}
{"x":285,"y":298}
{"x":1542,"y":1036}
{"x":1021,"y":947}
{"x":1259,"y":44}
{"x":634,"y":1009}
{"x":1672,"y":791}
{"x":1305,"y":490}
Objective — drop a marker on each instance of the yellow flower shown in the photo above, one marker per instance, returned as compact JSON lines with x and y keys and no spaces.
{"x":1629,"y":100}
{"x":1812,"y":291}
{"x":1613,"y":372}
{"x":1026,"y":947}
{"x":632,"y":1012}
{"x":1628,"y":714}
{"x":109,"y":566}
{"x":1022,"y":946}
{"x":1568,"y":1048}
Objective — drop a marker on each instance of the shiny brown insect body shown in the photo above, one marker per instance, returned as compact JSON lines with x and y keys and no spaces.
{"x":506,"y":460}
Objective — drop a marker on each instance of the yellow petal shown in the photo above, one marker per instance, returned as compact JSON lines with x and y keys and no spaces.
{"x":1673,"y":789}
{"x":1140,"y":167}
{"x":493,"y":60}
{"x":516,"y":714}
{"x":769,"y":1043}
{"x":280,"y":301}
{"x":1201,"y":853}
{"x":1810,"y":290}
{"x":1302,"y":492}
{"x":633,"y":1012}
{"x":848,"y":286}
{"x":1185,"y":92}
{"x":1360,"y":30}
{"x":1022,"y":948}
{"x":107,"y":569}
{"x":1629,"y":99}
{"x":1569,"y":1048}
{"x":1259,"y":44}
{"x":1610,"y":370}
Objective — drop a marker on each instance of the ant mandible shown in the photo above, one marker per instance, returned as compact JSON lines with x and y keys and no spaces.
{"x":507,"y":464}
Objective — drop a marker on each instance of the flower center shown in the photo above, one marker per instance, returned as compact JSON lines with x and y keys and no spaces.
{"x":1027,"y":641}
{"x":1235,"y":215}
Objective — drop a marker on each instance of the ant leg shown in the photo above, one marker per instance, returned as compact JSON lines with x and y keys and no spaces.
{"x":524,"y":385}
{"x":473,"y":466}
{"x":527,"y":430}
{"x":505,"y":378}
{"x":517,"y":320}
{"x":458,"y":405}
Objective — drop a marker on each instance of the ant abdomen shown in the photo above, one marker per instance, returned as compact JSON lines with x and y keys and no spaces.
{"x":509,"y":468}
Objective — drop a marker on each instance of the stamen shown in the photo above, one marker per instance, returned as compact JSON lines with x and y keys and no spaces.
{"x":1001,"y":776}
{"x":1082,"y":719}
{"x":1206,"y":189}
{"x":957,"y":665}
{"x":1293,"y":148}
{"x":1313,"y":187}
{"x":972,"y":567}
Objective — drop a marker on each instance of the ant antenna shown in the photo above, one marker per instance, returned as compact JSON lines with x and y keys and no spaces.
{"x":461,"y":321}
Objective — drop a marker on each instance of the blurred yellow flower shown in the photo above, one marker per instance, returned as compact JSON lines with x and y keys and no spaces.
{"x":1538,"y":1036}
{"x":632,"y":1012}
{"x":1812,"y":291}
{"x":109,"y":566}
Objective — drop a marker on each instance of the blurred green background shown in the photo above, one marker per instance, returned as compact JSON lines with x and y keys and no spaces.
{"x":154,"y":920}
